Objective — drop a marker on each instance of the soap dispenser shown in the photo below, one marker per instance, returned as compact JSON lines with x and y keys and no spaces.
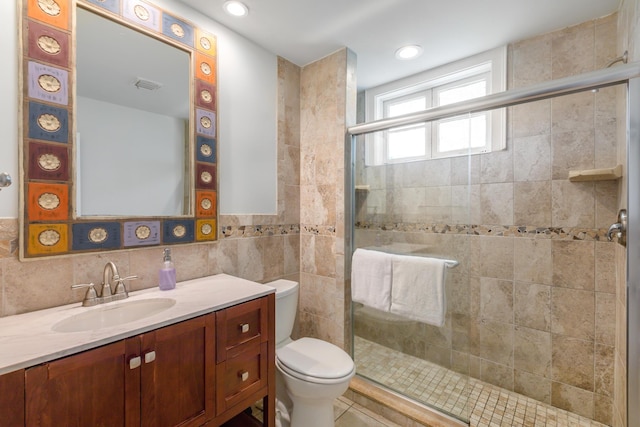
{"x":167,"y":272}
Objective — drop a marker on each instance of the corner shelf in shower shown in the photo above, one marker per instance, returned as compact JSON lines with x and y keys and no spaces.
{"x":604,"y":174}
{"x":364,"y":188}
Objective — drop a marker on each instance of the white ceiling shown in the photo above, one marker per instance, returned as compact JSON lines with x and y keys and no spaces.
{"x":303,"y":31}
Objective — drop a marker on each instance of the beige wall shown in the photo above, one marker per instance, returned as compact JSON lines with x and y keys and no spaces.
{"x":327,"y":107}
{"x":259,"y":248}
{"x":531,"y":307}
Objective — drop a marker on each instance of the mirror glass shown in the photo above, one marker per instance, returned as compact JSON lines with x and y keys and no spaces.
{"x":133,"y":103}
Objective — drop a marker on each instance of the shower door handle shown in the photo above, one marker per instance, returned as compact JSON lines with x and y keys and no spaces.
{"x":619,"y":229}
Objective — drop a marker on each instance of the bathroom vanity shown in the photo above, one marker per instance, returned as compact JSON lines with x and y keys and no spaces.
{"x":202,"y":360}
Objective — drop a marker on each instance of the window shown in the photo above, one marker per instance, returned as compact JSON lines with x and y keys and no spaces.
{"x":473,"y":77}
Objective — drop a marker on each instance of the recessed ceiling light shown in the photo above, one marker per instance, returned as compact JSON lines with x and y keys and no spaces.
{"x":236,"y":8}
{"x":409,"y":52}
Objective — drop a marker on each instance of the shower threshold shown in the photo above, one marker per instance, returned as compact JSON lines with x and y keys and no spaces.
{"x":458,"y":395}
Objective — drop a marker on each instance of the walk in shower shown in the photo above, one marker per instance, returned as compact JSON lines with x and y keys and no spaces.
{"x":535,"y":308}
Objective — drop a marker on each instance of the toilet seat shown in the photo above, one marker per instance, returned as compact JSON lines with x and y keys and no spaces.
{"x":315,"y":361}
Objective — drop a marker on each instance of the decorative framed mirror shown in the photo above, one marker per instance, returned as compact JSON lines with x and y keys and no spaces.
{"x":119,"y":128}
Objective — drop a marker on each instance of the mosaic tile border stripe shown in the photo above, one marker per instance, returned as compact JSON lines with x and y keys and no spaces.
{"x":240,"y":231}
{"x":559,"y":233}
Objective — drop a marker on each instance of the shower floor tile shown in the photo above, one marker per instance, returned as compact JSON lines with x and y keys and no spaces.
{"x":485,"y":405}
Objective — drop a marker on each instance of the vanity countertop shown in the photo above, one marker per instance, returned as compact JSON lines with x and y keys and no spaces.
{"x":28,"y":339}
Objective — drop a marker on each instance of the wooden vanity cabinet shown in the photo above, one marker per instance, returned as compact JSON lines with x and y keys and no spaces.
{"x":157,"y":379}
{"x":166,"y":377}
{"x":12,"y":399}
{"x":246,"y":349}
{"x":86,"y":389}
{"x":176,"y":382}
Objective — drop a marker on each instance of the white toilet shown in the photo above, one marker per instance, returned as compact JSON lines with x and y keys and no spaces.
{"x":311,"y":373}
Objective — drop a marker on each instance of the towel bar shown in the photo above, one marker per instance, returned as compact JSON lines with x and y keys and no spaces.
{"x":450,"y":263}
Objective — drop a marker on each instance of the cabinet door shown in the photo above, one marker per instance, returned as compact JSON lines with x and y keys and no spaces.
{"x":178,"y":374}
{"x":86,"y":389}
{"x":12,"y":399}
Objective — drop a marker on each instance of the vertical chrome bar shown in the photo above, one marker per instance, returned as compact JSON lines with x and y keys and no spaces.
{"x":349,"y":232}
{"x":633,"y":253}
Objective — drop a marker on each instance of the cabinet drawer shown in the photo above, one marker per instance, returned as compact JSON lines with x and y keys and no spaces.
{"x":239,"y":327}
{"x":241,"y":376}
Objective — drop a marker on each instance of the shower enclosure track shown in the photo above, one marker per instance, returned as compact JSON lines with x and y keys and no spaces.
{"x":620,"y":74}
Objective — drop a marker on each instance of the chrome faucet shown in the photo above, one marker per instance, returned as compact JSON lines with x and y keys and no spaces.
{"x":106,"y":284}
{"x":109,"y":274}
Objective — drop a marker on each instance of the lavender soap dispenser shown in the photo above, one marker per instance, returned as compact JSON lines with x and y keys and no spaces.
{"x":167,"y":272}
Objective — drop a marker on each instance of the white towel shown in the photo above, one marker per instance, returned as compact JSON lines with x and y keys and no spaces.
{"x":417,"y":290}
{"x":371,"y":278}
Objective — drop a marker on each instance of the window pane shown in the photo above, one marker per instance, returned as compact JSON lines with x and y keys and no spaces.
{"x":478,"y":131}
{"x":462,"y":93}
{"x":406,"y":143}
{"x":455,"y":134}
{"x":407,"y":106}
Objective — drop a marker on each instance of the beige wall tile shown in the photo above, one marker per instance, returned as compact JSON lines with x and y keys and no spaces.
{"x":437,"y":172}
{"x":465,"y":170}
{"x":37,"y":284}
{"x":572,"y":50}
{"x":605,"y":267}
{"x":573,"y":113}
{"x":491,"y":257}
{"x":604,"y":370}
{"x":532,"y":119}
{"x":291,"y":254}
{"x":496,"y":342}
{"x":496,"y":203}
{"x":573,"y":264}
{"x":532,"y":351}
{"x":572,"y":313}
{"x":606,"y":193}
{"x":605,"y":319}
{"x":533,"y":260}
{"x":532,"y":158}
{"x":572,"y":150}
{"x":573,"y":361}
{"x":532,"y":60}
{"x":496,"y":300}
{"x":497,"y":374}
{"x":603,"y":409}
{"x":532,"y":203}
{"x":496,"y":167}
{"x":572,"y":204}
{"x":533,"y":386}
{"x":273,"y":257}
{"x":532,"y":306}
{"x":572,"y":399}
{"x":606,"y":123}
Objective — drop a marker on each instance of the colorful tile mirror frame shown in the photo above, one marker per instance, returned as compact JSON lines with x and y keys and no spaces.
{"x":48,"y":226}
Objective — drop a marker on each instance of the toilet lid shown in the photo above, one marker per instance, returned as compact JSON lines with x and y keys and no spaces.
{"x":315,"y":358}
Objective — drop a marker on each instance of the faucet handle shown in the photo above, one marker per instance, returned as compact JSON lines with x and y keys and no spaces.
{"x":91,"y":297}
{"x":121,"y":288}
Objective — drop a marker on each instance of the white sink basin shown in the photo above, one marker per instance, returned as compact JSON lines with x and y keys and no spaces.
{"x":113,"y":314}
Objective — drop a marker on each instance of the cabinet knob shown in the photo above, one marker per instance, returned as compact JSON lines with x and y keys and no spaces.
{"x":149,"y":357}
{"x":244,"y":375}
{"x":135,"y":362}
{"x":244,"y":327}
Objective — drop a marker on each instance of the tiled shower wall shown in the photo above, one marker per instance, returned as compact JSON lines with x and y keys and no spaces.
{"x":532,"y":305}
{"x":255,"y":247}
{"x":327,"y":108}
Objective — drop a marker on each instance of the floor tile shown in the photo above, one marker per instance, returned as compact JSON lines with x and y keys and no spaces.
{"x":485,"y":405}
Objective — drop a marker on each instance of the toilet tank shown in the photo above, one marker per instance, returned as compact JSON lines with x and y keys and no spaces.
{"x":286,"y":308}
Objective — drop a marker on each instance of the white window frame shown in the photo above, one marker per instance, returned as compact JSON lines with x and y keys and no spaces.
{"x":493,"y":62}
